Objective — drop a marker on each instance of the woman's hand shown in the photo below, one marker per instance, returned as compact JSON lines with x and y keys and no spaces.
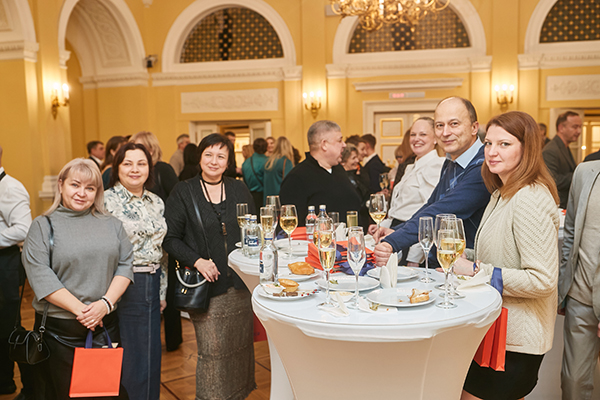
{"x":208,"y":269}
{"x":462,"y":266}
{"x":92,"y":314}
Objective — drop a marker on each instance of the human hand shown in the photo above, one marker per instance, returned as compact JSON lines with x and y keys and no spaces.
{"x":372,"y":229}
{"x":462,"y":266}
{"x":92,"y":314}
{"x":208,"y":269}
{"x":382,"y":252}
{"x":163,"y":305}
{"x":598,"y":333}
{"x":381,"y":233}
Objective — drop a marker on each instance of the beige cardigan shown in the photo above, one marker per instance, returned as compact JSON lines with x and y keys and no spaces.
{"x":520,"y":236}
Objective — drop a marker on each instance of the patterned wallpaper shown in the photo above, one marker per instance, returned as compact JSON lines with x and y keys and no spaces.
{"x":231,"y":34}
{"x":443,"y":30}
{"x":572,"y":21}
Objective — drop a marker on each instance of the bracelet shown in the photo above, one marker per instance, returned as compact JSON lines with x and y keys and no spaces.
{"x":108,"y":310}
{"x":110,"y":303}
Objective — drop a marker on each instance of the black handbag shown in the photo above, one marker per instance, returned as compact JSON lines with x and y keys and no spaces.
{"x":191,"y":289}
{"x":28,"y":347}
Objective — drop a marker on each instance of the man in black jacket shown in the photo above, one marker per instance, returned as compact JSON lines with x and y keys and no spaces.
{"x":319,"y":179}
{"x":373,"y":166}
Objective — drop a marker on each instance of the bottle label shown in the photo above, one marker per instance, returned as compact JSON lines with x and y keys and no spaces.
{"x":252,"y":241}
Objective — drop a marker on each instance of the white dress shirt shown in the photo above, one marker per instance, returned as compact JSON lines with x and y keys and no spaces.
{"x":15,"y":214}
{"x":413,"y":190}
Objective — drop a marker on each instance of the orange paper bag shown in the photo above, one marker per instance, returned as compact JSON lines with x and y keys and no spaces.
{"x":96,"y":372}
{"x":499,"y":349}
{"x":483,"y":355}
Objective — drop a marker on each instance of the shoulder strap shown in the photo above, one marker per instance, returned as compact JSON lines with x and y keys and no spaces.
{"x":195,"y":203}
{"x":3,"y":174}
{"x":283,"y":173}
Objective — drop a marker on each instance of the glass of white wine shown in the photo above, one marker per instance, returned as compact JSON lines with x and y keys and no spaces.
{"x":377,"y":208}
{"x":351,"y":218}
{"x":426,"y":241}
{"x":267,"y":218}
{"x":276,"y":203}
{"x":327,"y":248}
{"x":446,"y":255}
{"x":438,"y":220}
{"x":289,"y":222}
{"x":356,"y":256}
{"x":461,"y":244}
{"x":241,"y":211}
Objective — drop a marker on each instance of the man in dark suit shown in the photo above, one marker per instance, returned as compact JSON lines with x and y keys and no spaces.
{"x":96,"y":151}
{"x":558,"y":157}
{"x":373,"y":166}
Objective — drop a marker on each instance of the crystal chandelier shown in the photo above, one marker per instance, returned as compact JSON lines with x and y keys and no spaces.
{"x":373,"y":14}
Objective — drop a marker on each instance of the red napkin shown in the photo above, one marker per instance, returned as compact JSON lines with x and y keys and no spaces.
{"x":299,"y":233}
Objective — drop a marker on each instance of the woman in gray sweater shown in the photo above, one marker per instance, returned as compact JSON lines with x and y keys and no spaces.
{"x":78,"y":276}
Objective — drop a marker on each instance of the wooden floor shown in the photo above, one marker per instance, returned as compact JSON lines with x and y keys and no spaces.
{"x":178,"y":380}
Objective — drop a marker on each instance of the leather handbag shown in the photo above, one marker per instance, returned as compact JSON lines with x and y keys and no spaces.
{"x":191,"y":289}
{"x":28,"y":347}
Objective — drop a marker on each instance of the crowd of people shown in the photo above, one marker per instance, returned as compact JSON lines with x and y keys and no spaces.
{"x":134,"y":217}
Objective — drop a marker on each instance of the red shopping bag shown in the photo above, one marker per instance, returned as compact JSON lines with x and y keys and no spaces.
{"x":492,"y":350}
{"x":499,"y":350}
{"x":96,"y":372}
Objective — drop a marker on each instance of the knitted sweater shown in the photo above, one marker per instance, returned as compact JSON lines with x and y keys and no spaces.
{"x":520,"y":236}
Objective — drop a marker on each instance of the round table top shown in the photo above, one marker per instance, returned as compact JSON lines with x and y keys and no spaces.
{"x":478,"y":308}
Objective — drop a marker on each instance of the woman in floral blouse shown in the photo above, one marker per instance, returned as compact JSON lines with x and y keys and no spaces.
{"x":139,"y":310}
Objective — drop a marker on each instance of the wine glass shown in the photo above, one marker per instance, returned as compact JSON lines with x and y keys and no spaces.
{"x":356,"y":255}
{"x":327,"y":250}
{"x":241,"y":209}
{"x":351,"y":218}
{"x":438,"y":219}
{"x":426,"y":240}
{"x":335,"y":217}
{"x":446,"y":255}
{"x":289,"y":222}
{"x":461,"y":244}
{"x":377,"y":208}
{"x":267,"y":220}
{"x":276,"y":203}
{"x":384,"y":181}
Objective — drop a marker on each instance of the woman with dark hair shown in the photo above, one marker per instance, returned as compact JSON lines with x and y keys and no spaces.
{"x":112,"y":146}
{"x":253,"y":170}
{"x":224,"y":332}
{"x":139,"y":310}
{"x":190,"y":162}
{"x":516,"y":244}
{"x":78,"y":263}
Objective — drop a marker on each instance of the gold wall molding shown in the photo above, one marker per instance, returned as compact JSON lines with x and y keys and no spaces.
{"x":230,"y":101}
{"x":273,"y":74}
{"x":416,"y":84}
{"x":115,"y":80}
{"x":559,"y":59}
{"x":572,"y":87}
{"x":17,"y":32}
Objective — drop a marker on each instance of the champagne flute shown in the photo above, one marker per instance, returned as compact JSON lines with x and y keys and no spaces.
{"x":267,"y":218}
{"x":461,"y":244}
{"x":289,"y":222}
{"x":446,"y":255}
{"x":351,"y":218}
{"x":276,"y":203}
{"x":377,"y":208}
{"x":327,"y":250}
{"x":426,"y":240}
{"x":438,"y":220}
{"x":241,"y":210}
{"x":356,"y":256}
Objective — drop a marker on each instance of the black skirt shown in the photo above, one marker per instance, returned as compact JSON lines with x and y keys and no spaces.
{"x":517,"y":381}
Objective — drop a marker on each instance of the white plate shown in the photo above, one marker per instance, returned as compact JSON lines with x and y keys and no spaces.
{"x":404,"y":273}
{"x":299,"y":247}
{"x":391,"y":297}
{"x":285,"y":273}
{"x":238,"y":245}
{"x":347,"y":283}
{"x":302,"y":294}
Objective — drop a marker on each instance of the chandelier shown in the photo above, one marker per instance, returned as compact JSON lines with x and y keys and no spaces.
{"x":373,"y":14}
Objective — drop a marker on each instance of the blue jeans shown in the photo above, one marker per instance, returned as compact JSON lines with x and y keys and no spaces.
{"x":139,"y":322}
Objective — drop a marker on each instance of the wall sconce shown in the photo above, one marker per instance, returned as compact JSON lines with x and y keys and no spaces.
{"x":55,"y":100}
{"x":502,"y":96}
{"x":315,"y":103}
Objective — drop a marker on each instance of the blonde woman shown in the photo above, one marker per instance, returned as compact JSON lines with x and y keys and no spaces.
{"x":279,"y":164}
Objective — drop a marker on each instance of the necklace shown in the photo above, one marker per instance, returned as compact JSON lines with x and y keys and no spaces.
{"x":217,"y":213}
{"x":211,"y":183}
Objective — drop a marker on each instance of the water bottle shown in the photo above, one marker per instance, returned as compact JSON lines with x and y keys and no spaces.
{"x":311,"y":221}
{"x":244,"y":238}
{"x":268,"y":266}
{"x":252,"y":235}
{"x":322,"y":212}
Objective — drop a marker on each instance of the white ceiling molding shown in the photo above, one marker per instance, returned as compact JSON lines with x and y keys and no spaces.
{"x":17,"y":31}
{"x":413,"y":85}
{"x":473,"y":58}
{"x":554,"y":55}
{"x":107,"y":41}
{"x":177,"y":73}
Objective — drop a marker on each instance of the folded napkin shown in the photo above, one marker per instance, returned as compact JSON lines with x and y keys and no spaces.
{"x":480,"y":279}
{"x":340,"y":232}
{"x":341,"y":310}
{"x":389,"y":272}
{"x":365,"y":305}
{"x":298,"y":234}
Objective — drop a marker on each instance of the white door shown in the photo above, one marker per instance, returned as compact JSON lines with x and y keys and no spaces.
{"x":260,"y":129}
{"x":199,"y":130}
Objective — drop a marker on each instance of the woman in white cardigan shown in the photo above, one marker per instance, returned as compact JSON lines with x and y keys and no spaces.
{"x":517,"y":244}
{"x":417,"y":183}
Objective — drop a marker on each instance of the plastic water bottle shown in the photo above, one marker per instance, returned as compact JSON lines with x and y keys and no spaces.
{"x":268,"y":262}
{"x":322,"y":212}
{"x":311,"y":221}
{"x":252,"y":235}
{"x":244,"y":238}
